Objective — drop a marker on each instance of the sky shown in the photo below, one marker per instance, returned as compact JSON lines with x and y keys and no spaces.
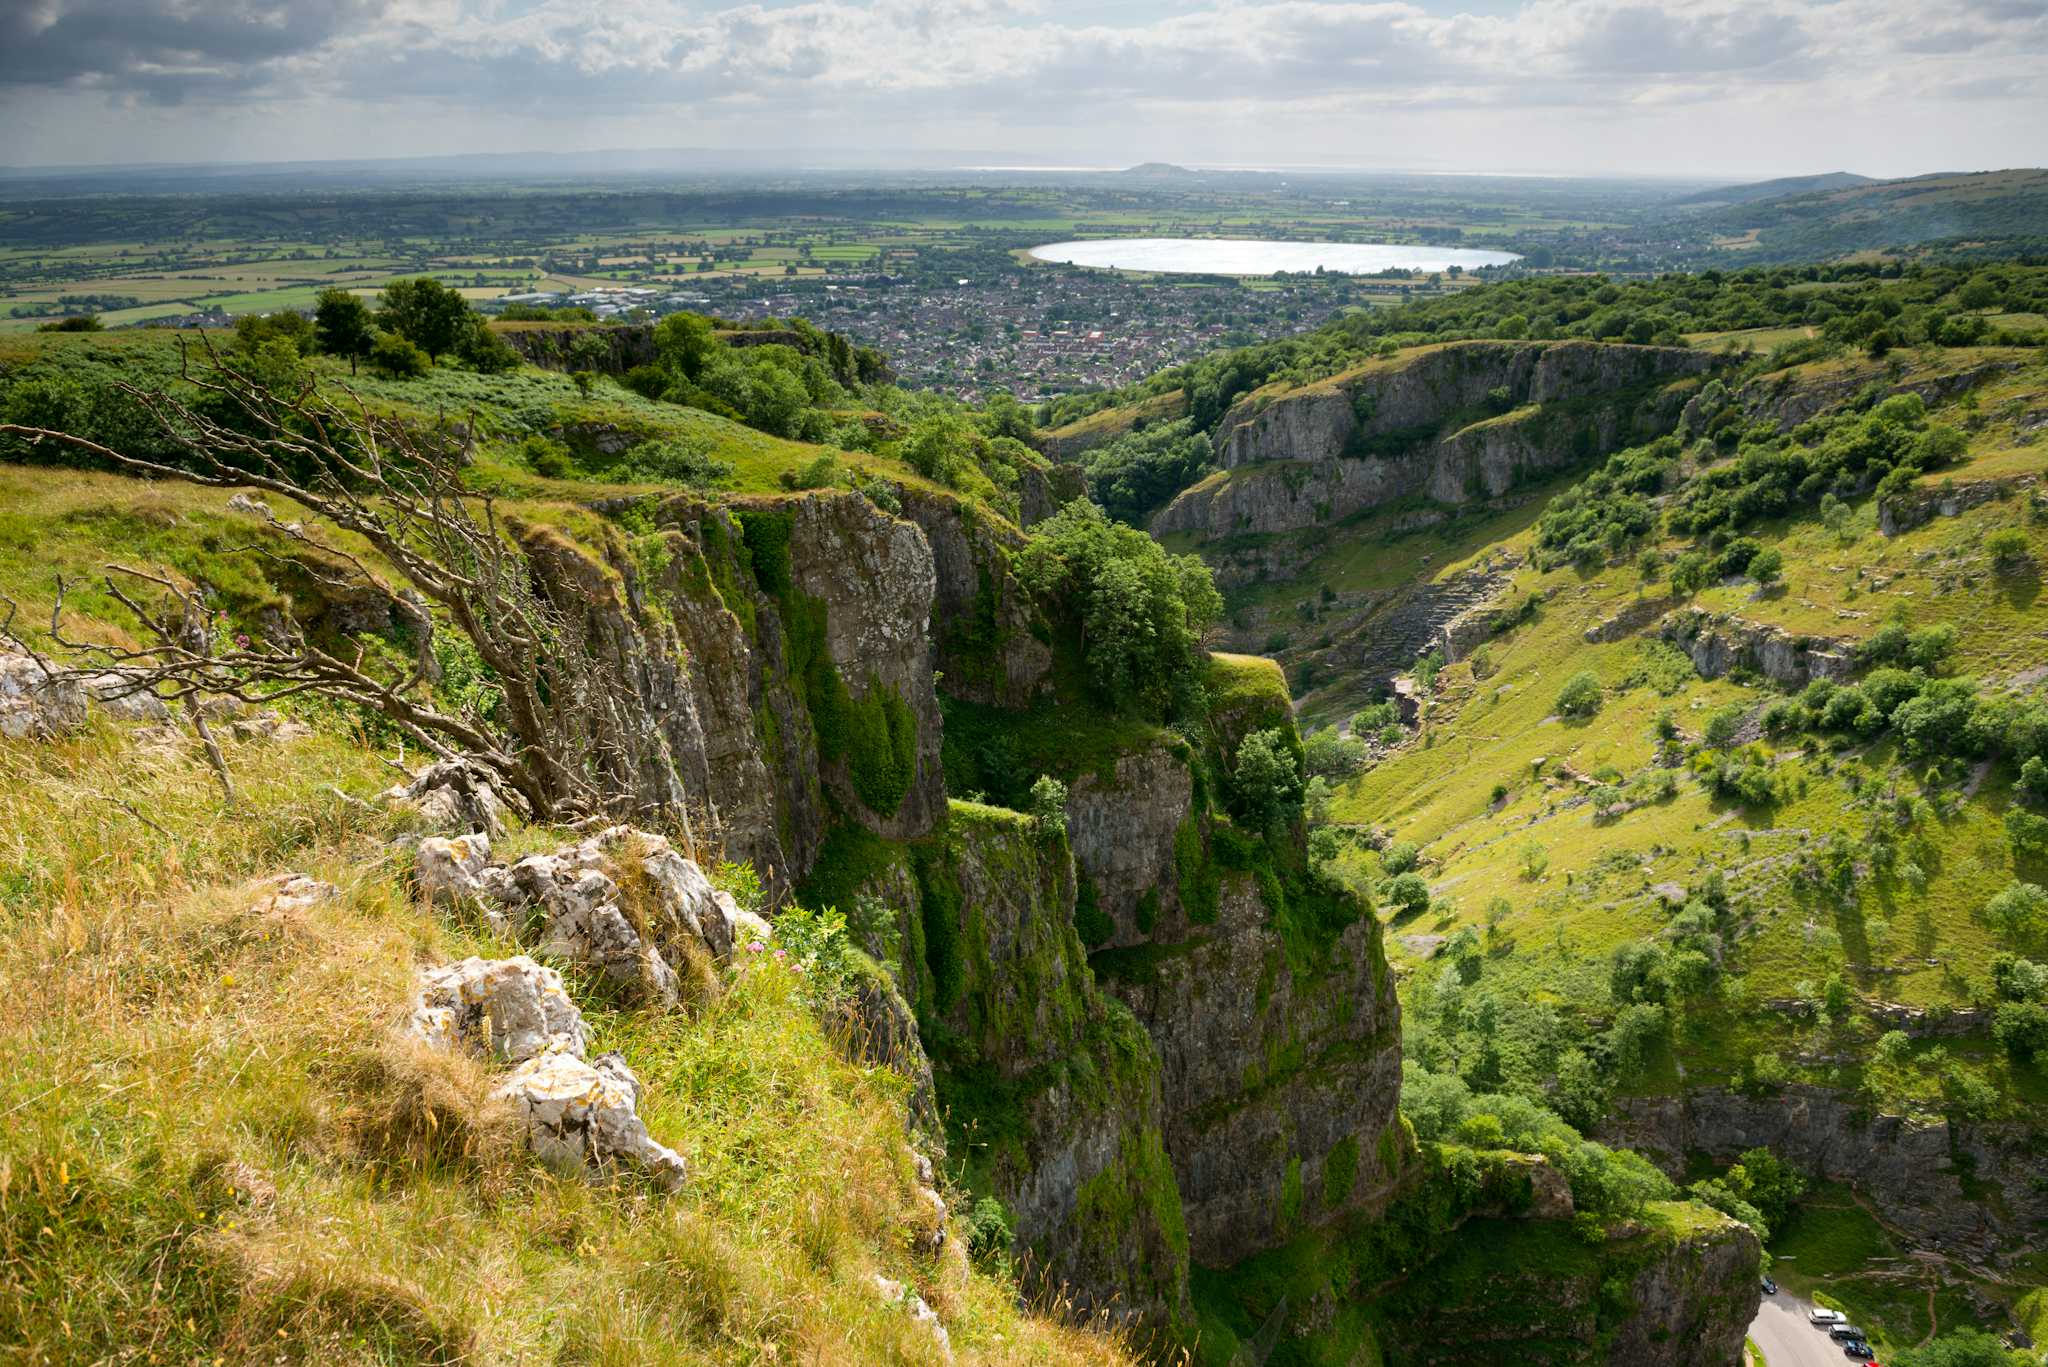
{"x":1730,"y":89}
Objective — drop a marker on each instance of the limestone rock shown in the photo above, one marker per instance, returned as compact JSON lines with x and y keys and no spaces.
{"x":451,"y":872}
{"x":37,"y":702}
{"x":584,"y":1115}
{"x":1719,"y":642}
{"x":1123,"y":832}
{"x":452,"y":796}
{"x":896,"y":1293}
{"x":123,"y":696}
{"x":289,"y":893}
{"x":513,"y":1009}
{"x":268,"y":726}
{"x":579,"y":1114}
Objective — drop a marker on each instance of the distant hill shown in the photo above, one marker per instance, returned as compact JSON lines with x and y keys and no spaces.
{"x":1158,"y":169}
{"x":1983,"y":213}
{"x":1772,"y":189}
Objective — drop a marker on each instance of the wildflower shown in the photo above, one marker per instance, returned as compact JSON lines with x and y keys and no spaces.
{"x":755,"y":947}
{"x":782,"y":954}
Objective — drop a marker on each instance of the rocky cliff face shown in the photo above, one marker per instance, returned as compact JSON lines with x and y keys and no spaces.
{"x":1051,"y":1082}
{"x":1667,"y":1291}
{"x":1719,"y":642}
{"x":1419,"y":389}
{"x":612,"y":349}
{"x":1281,"y":1071}
{"x":1913,"y":1171}
{"x":780,"y":655}
{"x":1405,"y":428}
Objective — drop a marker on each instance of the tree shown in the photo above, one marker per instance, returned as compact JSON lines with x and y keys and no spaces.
{"x":2019,"y":911}
{"x":342,"y":326}
{"x":683,"y":343}
{"x":1408,"y":892}
{"x":1049,"y":805}
{"x":426,"y":313}
{"x":1266,"y":781}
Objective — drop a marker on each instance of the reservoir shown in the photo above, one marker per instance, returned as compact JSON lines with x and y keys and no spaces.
{"x":1250,"y":256}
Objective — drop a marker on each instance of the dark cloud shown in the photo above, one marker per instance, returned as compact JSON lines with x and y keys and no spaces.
{"x":164,"y":49}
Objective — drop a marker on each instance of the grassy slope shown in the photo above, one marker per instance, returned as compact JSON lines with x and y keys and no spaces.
{"x":213,"y":1145}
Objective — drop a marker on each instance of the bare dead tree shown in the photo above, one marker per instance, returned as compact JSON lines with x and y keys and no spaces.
{"x":570,"y":743}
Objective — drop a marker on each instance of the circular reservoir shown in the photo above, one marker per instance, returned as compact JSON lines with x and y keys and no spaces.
{"x":1252,"y":256}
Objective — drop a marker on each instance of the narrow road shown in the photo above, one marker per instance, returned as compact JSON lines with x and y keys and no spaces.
{"x":1782,"y":1331}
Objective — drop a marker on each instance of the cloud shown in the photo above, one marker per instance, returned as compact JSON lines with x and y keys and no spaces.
{"x":914,"y":68}
{"x":165,"y":48}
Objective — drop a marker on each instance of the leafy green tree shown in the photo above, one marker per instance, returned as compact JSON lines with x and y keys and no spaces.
{"x":342,"y":326}
{"x":1266,"y":782}
{"x":1141,"y":612}
{"x":683,"y":343}
{"x":1766,"y":565}
{"x":1049,"y":805}
{"x":1407,"y":891}
{"x":2020,"y":911}
{"x":426,"y":313}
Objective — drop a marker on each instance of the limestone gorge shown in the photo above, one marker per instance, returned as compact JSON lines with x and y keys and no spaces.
{"x":1503,"y":832}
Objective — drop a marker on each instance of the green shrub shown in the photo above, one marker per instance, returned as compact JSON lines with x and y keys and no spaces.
{"x":1580,"y":696}
{"x":396,"y":357}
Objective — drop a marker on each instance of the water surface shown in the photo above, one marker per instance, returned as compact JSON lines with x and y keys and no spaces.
{"x":1250,"y":256}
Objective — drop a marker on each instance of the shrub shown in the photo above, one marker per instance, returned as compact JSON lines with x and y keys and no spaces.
{"x":397,"y":357}
{"x":1325,"y":754}
{"x":1049,"y":805}
{"x":1723,"y":726}
{"x":1580,"y":696}
{"x":1399,"y":857}
{"x":2021,"y":1028}
{"x":2008,"y":547}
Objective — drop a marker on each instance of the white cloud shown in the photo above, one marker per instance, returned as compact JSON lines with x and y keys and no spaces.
{"x":976,"y":70}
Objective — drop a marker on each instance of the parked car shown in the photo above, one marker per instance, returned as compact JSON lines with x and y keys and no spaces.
{"x":1823,"y":1317}
{"x":1846,"y":1333}
{"x":1858,"y":1349}
{"x":1770,"y":1287}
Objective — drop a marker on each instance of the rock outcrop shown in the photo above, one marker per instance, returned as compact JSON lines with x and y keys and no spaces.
{"x":610,"y":348}
{"x":1049,"y":1075}
{"x":1672,"y":1290}
{"x":622,"y":902}
{"x":1405,"y":428}
{"x":1912,"y":1171}
{"x":1280,"y":1066}
{"x":1719,"y":642}
{"x":776,"y":660}
{"x":580,"y":1114}
{"x":1915,"y":507}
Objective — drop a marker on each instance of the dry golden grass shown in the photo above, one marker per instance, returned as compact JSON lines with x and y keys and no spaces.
{"x":212,"y":1147}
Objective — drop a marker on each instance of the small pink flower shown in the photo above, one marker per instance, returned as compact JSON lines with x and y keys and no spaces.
{"x":755,"y":947}
{"x":242,"y":639}
{"x":782,"y":954}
